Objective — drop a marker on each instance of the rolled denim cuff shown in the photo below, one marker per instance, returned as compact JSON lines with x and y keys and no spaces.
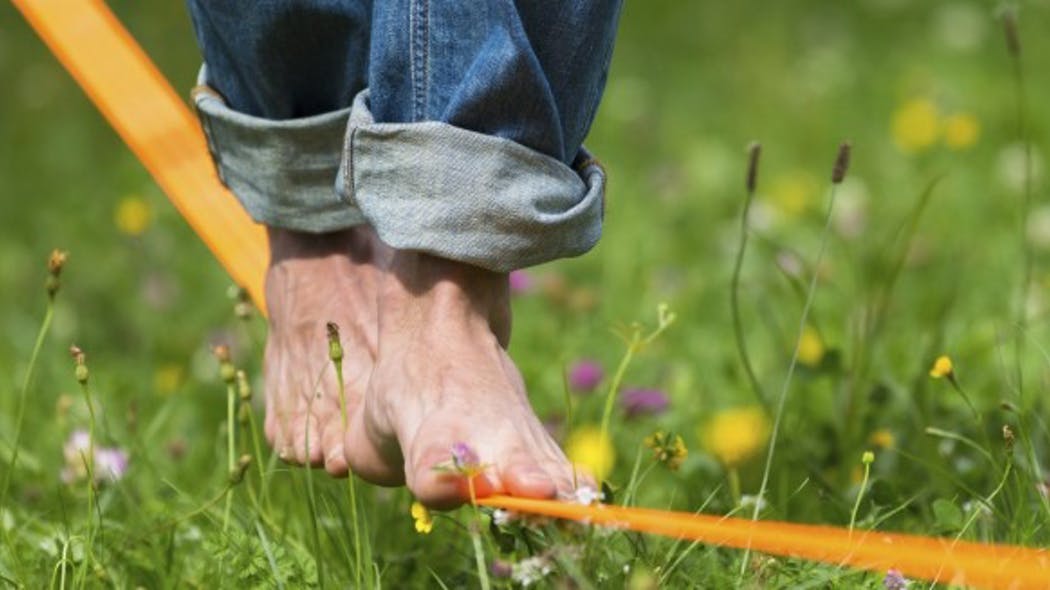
{"x":282,"y":171}
{"x":467,"y":196}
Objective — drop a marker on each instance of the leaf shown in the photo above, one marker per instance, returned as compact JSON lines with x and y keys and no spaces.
{"x":947,"y":515}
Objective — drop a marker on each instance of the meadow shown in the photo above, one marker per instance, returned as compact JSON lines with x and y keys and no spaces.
{"x":901,"y":312}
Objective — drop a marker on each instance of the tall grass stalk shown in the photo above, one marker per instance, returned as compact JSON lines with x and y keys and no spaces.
{"x":754,"y":153}
{"x":231,"y":450}
{"x":56,"y":261}
{"x":335,"y":354}
{"x":837,"y":175}
{"x":635,"y":343}
{"x":867,"y":460}
{"x":81,"y":373}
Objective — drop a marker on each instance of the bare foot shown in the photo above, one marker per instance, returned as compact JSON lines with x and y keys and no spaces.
{"x":312,"y":280}
{"x":443,"y":376}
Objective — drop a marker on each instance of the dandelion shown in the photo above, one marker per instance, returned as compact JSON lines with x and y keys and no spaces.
{"x":520,"y":282}
{"x":585,"y":375}
{"x":942,"y":368}
{"x":810,"y":348}
{"x":637,"y":402}
{"x":916,"y":125}
{"x":132,"y":216}
{"x":589,"y":448}
{"x":961,"y":131}
{"x":883,"y":439}
{"x":734,"y":436}
{"x":530,"y":571}
{"x":668,"y":449}
{"x":894,"y":580}
{"x":422,"y":517}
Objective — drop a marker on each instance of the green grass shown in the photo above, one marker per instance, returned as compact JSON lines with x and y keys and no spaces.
{"x":927,"y":255}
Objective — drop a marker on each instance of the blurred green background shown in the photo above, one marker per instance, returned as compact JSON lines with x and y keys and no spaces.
{"x":924,"y":90}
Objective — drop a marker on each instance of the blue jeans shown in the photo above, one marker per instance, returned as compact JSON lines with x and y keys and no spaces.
{"x":452,"y":127}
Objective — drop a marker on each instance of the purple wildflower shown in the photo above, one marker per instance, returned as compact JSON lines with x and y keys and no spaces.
{"x":501,"y":569}
{"x":639,"y":401}
{"x":520,"y":282}
{"x":585,"y":375}
{"x":110,"y":464}
{"x":464,"y":458}
{"x":895,"y":580}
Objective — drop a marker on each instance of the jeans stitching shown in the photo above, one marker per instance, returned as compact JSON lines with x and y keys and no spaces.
{"x":420,"y":15}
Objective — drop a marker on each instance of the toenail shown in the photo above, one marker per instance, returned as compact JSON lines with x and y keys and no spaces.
{"x":285,"y":453}
{"x":334,"y":454}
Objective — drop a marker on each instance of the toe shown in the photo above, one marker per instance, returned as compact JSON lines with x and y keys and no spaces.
{"x":306,"y":441}
{"x":523,"y":476}
{"x":441,"y":489}
{"x":332,"y":448}
{"x":369,"y":458}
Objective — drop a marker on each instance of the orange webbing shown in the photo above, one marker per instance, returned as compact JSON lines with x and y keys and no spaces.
{"x":927,"y":558}
{"x":139,"y":103}
{"x":137,"y":100}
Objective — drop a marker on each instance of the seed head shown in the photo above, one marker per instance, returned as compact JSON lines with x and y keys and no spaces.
{"x":80,"y":370}
{"x":754,"y":151}
{"x":244,"y":388}
{"x":335,"y":348}
{"x":55,"y":262}
{"x":841,"y":163}
{"x":227,"y":371}
{"x":1008,"y":437}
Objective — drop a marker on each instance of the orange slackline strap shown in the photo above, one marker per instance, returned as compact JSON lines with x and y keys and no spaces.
{"x":158,"y":127}
{"x":150,"y":117}
{"x":928,"y":558}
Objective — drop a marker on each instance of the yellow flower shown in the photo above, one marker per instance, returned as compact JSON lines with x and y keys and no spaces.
{"x":942,"y":367}
{"x":916,"y":125}
{"x":588,"y":448}
{"x":794,"y":192}
{"x":132,"y":216}
{"x":961,"y":131}
{"x":883,"y":439}
{"x":424,"y":522}
{"x":168,"y":378}
{"x":734,"y":436}
{"x":810,"y":347}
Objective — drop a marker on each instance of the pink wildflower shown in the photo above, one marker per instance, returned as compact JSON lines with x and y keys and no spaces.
{"x":585,"y":375}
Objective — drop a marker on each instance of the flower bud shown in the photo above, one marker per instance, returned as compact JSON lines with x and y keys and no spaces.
{"x":335,"y":348}
{"x":80,"y":370}
{"x":244,"y":388}
{"x":227,"y":372}
{"x":867,"y":458}
{"x":237,"y":473}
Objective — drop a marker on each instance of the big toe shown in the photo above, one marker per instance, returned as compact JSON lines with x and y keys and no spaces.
{"x":443,"y":488}
{"x":523,"y":475}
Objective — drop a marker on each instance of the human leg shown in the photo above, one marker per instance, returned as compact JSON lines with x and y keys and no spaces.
{"x":465,"y":156}
{"x":279,"y":80}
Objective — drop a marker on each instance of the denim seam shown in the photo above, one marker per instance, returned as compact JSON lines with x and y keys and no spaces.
{"x":420,"y":34}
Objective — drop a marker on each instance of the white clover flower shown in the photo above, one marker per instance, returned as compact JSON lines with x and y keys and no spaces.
{"x":529,"y":571}
{"x":501,"y":517}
